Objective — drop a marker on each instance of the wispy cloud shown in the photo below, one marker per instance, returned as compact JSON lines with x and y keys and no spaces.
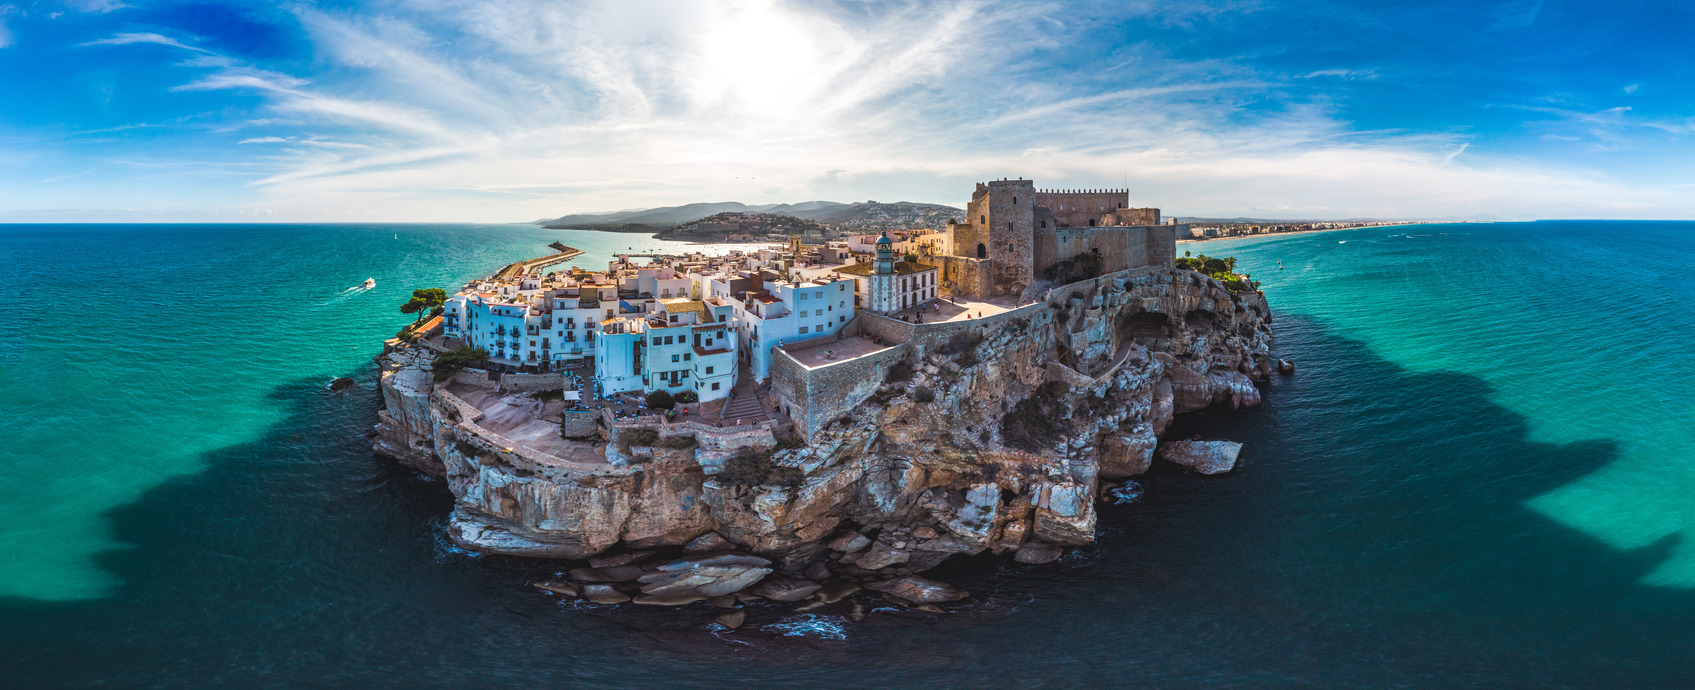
{"x":134,"y":38}
{"x":523,"y":108}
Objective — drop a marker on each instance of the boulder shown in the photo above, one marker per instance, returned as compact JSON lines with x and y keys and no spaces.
{"x":1037,"y":551}
{"x":850,"y":542}
{"x":564,"y":589}
{"x":1285,"y":367}
{"x":925,"y":532}
{"x":705,"y":577}
{"x":833,"y":592}
{"x":711,"y":541}
{"x":919,"y":590}
{"x":1127,"y":455}
{"x":341,"y":384}
{"x":731,"y":620}
{"x":881,"y":556}
{"x":817,"y":572}
{"x":1205,"y":457}
{"x":674,"y":599}
{"x":615,"y":560}
{"x":604,"y":594}
{"x":785,"y":589}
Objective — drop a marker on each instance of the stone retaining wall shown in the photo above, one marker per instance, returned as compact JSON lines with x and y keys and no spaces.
{"x":814,"y":397}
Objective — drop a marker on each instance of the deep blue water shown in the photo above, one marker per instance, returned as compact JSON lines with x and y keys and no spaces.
{"x":1480,"y":476}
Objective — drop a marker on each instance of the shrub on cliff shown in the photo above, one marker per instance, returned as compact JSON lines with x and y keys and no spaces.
{"x":963,"y":341}
{"x":901,"y":371}
{"x":1081,"y":267}
{"x":660,"y":400}
{"x":449,"y":363}
{"x":1222,"y":270}
{"x":748,"y":467}
{"x":923,"y":394}
{"x":1034,"y":423}
{"x":639,"y":436}
{"x":687,"y":397}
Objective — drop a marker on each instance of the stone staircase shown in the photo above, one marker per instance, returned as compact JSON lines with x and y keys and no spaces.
{"x":744,"y":405}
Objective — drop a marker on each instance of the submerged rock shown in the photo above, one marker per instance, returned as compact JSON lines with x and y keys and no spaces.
{"x":564,"y":589}
{"x":341,"y":384}
{"x":1036,"y":551}
{"x":1205,"y":457}
{"x":785,"y":589}
{"x":919,"y":590}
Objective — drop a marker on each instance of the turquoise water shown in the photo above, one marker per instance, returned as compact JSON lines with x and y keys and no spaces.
{"x":1479,"y":477}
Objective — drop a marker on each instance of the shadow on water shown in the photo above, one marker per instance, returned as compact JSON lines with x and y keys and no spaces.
{"x":1375,"y":535}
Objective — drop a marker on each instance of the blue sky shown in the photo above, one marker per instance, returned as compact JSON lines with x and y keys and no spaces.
{"x":120,"y":110}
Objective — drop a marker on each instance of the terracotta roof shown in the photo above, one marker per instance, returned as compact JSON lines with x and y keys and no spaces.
{"x":681,"y":305}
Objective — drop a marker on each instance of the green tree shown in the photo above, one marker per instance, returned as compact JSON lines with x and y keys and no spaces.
{"x":660,"y":400}
{"x":424,"y":300}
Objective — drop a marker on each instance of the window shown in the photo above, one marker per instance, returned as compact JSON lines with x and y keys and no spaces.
{"x":675,"y":359}
{"x":688,"y":356}
{"x":983,"y":219}
{"x":1014,"y":201}
{"x":1009,"y":226}
{"x":982,"y":253}
{"x":803,"y":330}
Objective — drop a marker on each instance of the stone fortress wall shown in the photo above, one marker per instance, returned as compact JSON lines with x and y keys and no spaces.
{"x":1013,"y":233}
{"x":815,"y":397}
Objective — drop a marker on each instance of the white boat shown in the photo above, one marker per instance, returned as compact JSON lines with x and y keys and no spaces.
{"x":370,"y":283}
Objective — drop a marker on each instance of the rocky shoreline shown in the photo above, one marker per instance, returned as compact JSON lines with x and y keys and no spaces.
{"x":1001,"y":440}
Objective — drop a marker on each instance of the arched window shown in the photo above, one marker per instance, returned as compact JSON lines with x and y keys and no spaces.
{"x":984,"y":219}
{"x":1091,"y":222}
{"x":1009,"y":226}
{"x":1014,"y":201}
{"x":982,"y":251}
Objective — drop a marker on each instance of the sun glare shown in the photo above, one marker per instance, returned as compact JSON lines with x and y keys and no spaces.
{"x":759,"y":59}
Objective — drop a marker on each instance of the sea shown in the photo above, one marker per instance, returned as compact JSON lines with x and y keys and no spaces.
{"x":1481,"y":474}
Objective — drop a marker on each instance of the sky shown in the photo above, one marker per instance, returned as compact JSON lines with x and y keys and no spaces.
{"x":516,"y":110}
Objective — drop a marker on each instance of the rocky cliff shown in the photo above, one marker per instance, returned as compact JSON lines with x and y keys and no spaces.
{"x":998,"y":440}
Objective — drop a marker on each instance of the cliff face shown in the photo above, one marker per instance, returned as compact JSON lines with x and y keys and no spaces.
{"x":997,"y":442}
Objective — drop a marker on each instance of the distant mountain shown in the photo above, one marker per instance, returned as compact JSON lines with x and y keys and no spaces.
{"x":857,"y":217}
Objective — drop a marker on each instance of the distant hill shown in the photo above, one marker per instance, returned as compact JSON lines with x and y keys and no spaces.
{"x":867,"y":216}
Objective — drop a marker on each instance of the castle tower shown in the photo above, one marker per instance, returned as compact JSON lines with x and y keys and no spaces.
{"x":1002,"y":219}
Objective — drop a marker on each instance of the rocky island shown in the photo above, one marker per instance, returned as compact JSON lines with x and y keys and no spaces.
{"x":974,"y":400}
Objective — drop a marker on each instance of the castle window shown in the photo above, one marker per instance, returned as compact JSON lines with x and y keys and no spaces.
{"x":1014,"y":201}
{"x":984,"y":219}
{"x":982,"y":251}
{"x":1091,"y":222}
{"x":1009,"y":226}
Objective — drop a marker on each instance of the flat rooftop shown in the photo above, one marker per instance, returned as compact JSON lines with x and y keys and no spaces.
{"x":526,"y":422}
{"x":835,"y":352}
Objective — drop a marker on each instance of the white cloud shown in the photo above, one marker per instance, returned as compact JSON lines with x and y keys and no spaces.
{"x":515,"y":109}
{"x":133,"y":38}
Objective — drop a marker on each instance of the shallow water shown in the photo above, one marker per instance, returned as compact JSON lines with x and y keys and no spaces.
{"x":1479,"y":476}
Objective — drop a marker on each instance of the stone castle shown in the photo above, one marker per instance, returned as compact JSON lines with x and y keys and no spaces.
{"x":1014,"y":232}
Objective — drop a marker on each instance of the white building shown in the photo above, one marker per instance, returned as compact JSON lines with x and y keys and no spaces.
{"x":769,"y":311}
{"x":682,"y":345}
{"x":886,"y":286}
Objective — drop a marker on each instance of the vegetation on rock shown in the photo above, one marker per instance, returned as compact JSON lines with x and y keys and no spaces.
{"x":901,"y":371}
{"x":1034,"y":423}
{"x":682,"y":442}
{"x":1081,"y":267}
{"x":687,"y":397}
{"x":639,"y":436}
{"x":749,"y":467}
{"x":1222,"y":270}
{"x":661,"y":400}
{"x":449,"y":363}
